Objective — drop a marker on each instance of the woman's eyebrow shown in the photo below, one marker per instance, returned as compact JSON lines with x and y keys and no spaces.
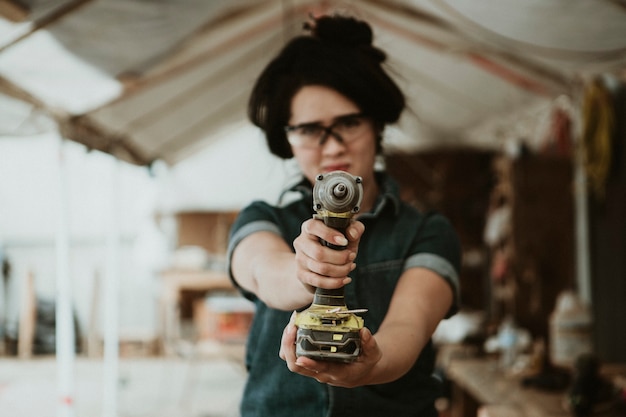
{"x":305,"y":124}
{"x":335,"y":119}
{"x":347,"y":116}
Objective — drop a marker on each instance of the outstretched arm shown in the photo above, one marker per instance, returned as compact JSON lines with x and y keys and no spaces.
{"x":264,"y":264}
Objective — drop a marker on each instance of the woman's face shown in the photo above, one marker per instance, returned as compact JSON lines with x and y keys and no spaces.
{"x":316,"y":109}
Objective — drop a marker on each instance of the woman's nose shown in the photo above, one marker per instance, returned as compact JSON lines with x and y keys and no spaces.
{"x":333,"y":144}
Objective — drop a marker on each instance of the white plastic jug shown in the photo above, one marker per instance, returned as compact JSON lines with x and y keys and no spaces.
{"x":571,"y":328}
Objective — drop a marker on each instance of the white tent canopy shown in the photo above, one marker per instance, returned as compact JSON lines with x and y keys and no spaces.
{"x":150,"y":81}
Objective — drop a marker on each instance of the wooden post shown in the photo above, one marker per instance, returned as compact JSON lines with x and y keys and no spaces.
{"x":28,"y":317}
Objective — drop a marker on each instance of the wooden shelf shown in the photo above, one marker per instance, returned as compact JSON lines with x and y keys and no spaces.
{"x":173,"y":283}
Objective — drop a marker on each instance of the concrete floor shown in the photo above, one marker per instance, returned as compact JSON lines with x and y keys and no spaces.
{"x":200,"y":386}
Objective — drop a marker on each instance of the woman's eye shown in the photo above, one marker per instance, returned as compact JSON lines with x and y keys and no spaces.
{"x":312,"y":130}
{"x":348,"y":122}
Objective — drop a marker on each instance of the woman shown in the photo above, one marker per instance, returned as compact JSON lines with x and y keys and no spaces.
{"x":325,"y":101}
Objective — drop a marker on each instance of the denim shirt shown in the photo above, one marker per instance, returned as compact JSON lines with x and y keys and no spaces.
{"x":397,"y":237}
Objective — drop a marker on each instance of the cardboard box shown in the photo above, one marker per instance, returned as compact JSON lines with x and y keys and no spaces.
{"x":226,"y":318}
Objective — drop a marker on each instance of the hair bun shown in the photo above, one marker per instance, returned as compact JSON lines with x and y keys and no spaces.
{"x":342,"y":31}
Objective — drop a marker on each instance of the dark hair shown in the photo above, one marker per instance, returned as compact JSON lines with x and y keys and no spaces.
{"x":338,"y":54}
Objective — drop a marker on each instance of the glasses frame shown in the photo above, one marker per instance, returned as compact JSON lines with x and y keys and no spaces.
{"x":326,"y":130}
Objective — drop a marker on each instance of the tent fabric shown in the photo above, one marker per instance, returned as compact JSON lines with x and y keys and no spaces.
{"x":157,"y":80}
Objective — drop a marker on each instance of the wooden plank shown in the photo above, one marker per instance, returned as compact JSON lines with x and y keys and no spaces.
{"x":94,"y":338}
{"x":28,"y":318}
{"x":13,"y":10}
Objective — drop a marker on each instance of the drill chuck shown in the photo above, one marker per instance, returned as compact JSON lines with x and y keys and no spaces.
{"x":338,"y":194}
{"x":337,"y":197}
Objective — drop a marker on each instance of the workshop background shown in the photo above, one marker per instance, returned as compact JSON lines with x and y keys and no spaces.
{"x":125,"y":155}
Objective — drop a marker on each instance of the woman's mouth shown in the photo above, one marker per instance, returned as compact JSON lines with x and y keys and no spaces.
{"x":337,"y":167}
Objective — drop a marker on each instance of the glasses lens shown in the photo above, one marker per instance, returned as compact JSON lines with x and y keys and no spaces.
{"x":349,"y":126}
{"x":307,"y":135}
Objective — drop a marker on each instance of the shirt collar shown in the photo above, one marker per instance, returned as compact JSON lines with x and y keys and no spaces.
{"x":389,"y":196}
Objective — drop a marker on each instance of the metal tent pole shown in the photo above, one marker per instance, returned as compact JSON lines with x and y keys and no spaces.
{"x":111,"y":300}
{"x":65,"y":348}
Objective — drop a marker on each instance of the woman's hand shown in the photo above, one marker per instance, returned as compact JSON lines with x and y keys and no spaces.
{"x":320,"y":266}
{"x":347,"y":375}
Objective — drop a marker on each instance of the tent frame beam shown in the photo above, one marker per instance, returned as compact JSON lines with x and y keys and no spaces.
{"x":46,"y":20}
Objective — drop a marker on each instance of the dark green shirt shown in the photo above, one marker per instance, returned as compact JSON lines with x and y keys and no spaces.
{"x":397,"y":237}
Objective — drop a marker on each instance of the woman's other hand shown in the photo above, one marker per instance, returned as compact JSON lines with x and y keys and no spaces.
{"x":347,"y":375}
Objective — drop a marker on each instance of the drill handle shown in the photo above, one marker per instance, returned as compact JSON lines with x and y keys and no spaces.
{"x":338,"y":223}
{"x":333,"y":246}
{"x":335,"y":296}
{"x":329,"y":297}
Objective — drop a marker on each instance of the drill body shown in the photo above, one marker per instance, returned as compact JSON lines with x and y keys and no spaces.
{"x":328,"y":330}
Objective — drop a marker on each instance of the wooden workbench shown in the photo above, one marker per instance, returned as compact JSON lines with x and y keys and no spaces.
{"x":477,"y":382}
{"x":480,"y":382}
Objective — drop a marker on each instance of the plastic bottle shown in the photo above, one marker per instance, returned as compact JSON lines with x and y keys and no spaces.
{"x":571,"y":328}
{"x":507,"y":339}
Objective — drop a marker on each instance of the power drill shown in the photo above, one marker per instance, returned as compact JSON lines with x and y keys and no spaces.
{"x":328,"y":330}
